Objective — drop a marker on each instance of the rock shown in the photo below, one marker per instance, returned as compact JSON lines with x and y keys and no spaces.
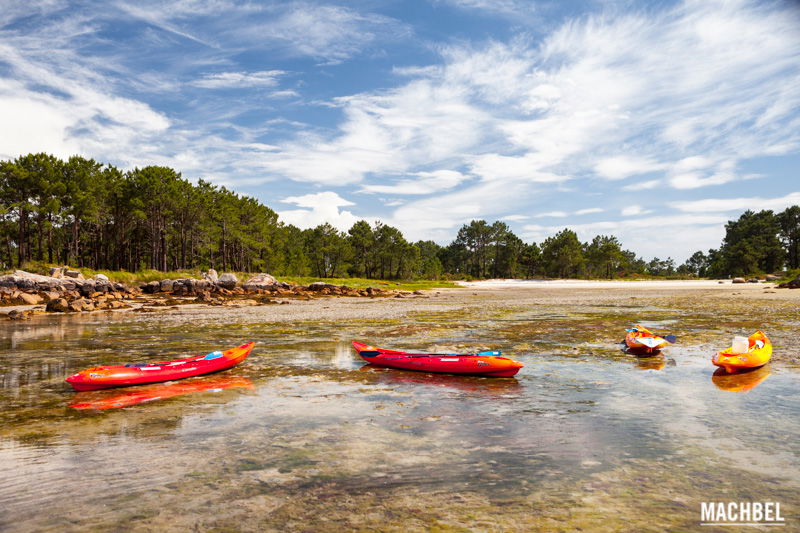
{"x":101,"y":277}
{"x":57,"y":272}
{"x":204,"y":297}
{"x":753,"y":280}
{"x":18,"y":315}
{"x":260,"y":282}
{"x":166,"y":285}
{"x":30,"y":299}
{"x":58,"y":305}
{"x":49,"y":296}
{"x":151,"y":287}
{"x":74,"y":274}
{"x":227,"y":280}
{"x":738,"y":280}
{"x":319,"y":286}
{"x":81,"y":305}
{"x":772,"y":277}
{"x":87,"y":287}
{"x":211,"y":275}
{"x":794,"y":284}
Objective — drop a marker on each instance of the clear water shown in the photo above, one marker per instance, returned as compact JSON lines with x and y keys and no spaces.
{"x":305,"y":436}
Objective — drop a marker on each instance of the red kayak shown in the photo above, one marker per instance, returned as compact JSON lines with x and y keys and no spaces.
{"x":106,"y":377}
{"x":483,"y":364}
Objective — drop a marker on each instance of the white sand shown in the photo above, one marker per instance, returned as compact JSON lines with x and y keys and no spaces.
{"x":599,"y":284}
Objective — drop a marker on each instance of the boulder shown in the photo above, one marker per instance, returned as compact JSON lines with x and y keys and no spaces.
{"x":753,"y":280}
{"x":74,"y":274}
{"x":58,"y":305}
{"x":772,"y":277}
{"x":166,"y":285}
{"x":151,"y":287}
{"x":738,"y":280}
{"x":259,"y":282}
{"x":49,"y":296}
{"x":87,"y":287}
{"x":320,"y":286}
{"x":81,"y":305}
{"x":204,"y":297}
{"x":794,"y":284}
{"x":211,"y":275}
{"x":18,"y":315}
{"x":101,"y":277}
{"x":227,"y":280}
{"x":30,"y":299}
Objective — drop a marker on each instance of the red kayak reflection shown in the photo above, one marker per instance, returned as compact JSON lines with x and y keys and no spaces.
{"x":157,"y":391}
{"x":473,"y":384}
{"x":740,"y":381}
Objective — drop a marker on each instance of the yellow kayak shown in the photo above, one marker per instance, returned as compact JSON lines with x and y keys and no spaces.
{"x":758,"y":353}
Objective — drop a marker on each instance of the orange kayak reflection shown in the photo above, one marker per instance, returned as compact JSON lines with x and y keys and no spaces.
{"x":651,"y":363}
{"x":740,"y":381}
{"x":473,"y":384}
{"x":157,"y":391}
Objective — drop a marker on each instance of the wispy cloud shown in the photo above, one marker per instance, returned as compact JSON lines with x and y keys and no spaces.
{"x":551,"y":214}
{"x":238,"y":80}
{"x":722,"y":205}
{"x":633,"y":210}
{"x":423,"y":183}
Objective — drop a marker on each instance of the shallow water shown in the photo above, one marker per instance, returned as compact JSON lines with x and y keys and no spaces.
{"x":305,"y":436}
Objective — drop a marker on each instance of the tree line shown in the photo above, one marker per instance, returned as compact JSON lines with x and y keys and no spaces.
{"x":89,"y":214}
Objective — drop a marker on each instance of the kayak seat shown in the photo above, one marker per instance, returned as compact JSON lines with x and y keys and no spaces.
{"x":212,"y":355}
{"x":368,"y":353}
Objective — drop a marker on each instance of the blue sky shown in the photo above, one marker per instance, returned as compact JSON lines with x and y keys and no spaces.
{"x":653,"y":121}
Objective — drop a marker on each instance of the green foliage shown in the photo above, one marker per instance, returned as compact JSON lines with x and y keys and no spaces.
{"x":751,"y":244}
{"x":149,"y":222}
{"x":562,"y":255}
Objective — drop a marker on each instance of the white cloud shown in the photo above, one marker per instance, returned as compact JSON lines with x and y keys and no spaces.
{"x":551,"y":214}
{"x":661,"y":236}
{"x":589,"y":210}
{"x":721,"y":205}
{"x":632,"y":210}
{"x":322,"y":208}
{"x":425,"y":183}
{"x":621,"y":167}
{"x":328,"y":32}
{"x":642,"y":185}
{"x":237,"y":80}
{"x":515,"y":218}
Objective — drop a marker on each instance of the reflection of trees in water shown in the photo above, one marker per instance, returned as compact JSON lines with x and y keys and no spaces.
{"x":55,"y":332}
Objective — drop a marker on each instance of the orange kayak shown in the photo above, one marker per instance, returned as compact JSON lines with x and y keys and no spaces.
{"x":641,"y":340}
{"x":759,"y":351}
{"x":482,"y":364}
{"x":155,"y":391}
{"x":106,"y":377}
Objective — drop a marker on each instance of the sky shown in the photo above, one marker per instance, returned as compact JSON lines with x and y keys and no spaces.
{"x":655,"y":121}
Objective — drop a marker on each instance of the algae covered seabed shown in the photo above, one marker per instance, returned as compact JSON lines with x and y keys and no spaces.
{"x":303,"y":436}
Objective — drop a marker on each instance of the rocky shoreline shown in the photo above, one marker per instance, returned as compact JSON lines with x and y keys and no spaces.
{"x":67,"y":291}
